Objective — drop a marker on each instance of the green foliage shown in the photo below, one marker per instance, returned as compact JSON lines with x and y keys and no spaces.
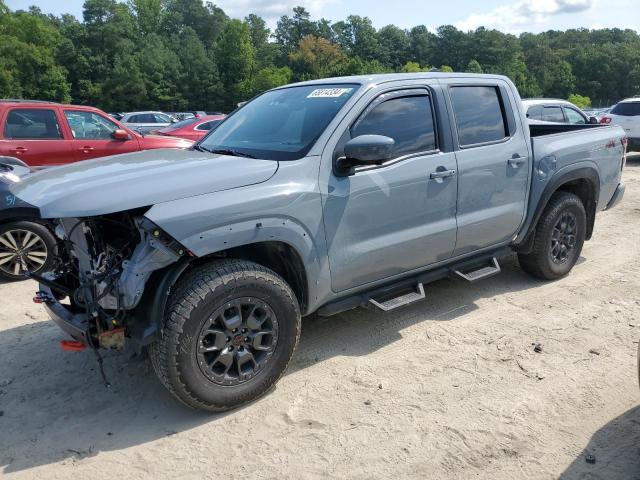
{"x":271,"y":77}
{"x":473,"y":66}
{"x":188,"y":54}
{"x":580,"y":100}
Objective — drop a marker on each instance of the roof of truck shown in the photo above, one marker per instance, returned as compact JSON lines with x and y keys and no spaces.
{"x":367,"y":80}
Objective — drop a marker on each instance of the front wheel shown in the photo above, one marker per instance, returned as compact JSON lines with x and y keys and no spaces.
{"x":559,"y":238}
{"x":25,"y":247}
{"x":230,"y":330}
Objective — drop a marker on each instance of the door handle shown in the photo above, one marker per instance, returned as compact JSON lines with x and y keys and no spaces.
{"x":516,"y":160}
{"x":439,"y":174}
{"x":86,"y":149}
{"x":18,"y":150}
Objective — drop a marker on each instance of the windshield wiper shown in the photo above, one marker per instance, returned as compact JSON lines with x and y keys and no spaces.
{"x":200,"y":148}
{"x":233,"y":153}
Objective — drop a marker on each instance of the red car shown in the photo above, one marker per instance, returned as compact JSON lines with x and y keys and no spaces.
{"x":44,"y":134}
{"x":191,"y":128}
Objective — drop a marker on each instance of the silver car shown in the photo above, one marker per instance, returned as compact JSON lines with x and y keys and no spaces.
{"x":145,"y":122}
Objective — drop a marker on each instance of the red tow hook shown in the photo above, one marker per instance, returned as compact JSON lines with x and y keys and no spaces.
{"x":72,"y":346}
{"x":41,"y":297}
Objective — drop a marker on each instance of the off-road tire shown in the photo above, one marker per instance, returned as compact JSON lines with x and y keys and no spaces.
{"x":192,"y":302}
{"x":539,"y":262}
{"x":46,"y":237}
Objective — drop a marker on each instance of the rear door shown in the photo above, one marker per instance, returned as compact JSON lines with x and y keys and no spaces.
{"x":35,"y":136}
{"x":493,"y":163}
{"x":91,"y":134}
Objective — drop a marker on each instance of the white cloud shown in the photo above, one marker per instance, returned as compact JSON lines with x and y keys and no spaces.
{"x":268,"y":9}
{"x":525,"y":13}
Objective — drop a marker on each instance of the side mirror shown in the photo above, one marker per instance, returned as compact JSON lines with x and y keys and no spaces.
{"x":120,"y":135}
{"x":593,"y":121}
{"x":365,"y":150}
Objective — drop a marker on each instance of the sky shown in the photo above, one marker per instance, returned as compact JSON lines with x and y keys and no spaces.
{"x":513,"y":16}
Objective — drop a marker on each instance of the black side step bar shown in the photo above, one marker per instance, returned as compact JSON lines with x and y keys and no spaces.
{"x":394,"y":295}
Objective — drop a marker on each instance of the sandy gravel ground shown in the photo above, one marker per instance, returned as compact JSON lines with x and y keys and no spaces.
{"x":448,"y":388}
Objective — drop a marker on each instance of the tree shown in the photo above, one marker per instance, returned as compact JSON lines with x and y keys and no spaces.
{"x":579,"y":100}
{"x":291,"y":30}
{"x":316,"y":58}
{"x":236,"y":61}
{"x":393,"y":47}
{"x":473,"y":66}
{"x":271,"y":77}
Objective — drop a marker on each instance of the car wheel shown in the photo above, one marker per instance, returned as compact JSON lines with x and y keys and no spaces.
{"x":230,"y":330}
{"x":559,"y":238}
{"x":25,"y":247}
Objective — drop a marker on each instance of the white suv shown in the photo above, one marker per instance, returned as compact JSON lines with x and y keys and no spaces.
{"x":627,"y":114}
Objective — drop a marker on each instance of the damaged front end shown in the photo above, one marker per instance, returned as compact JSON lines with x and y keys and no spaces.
{"x":97,"y":288}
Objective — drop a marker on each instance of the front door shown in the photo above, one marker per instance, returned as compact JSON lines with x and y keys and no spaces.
{"x":494,"y":166}
{"x":391,"y":218}
{"x":92,"y":138}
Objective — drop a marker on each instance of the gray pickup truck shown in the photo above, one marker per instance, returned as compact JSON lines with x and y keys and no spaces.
{"x":319,"y":197}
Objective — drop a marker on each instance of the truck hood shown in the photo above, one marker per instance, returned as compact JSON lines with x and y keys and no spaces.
{"x":123,"y":182}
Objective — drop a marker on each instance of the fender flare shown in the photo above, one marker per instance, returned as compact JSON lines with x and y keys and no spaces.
{"x":558,"y":180}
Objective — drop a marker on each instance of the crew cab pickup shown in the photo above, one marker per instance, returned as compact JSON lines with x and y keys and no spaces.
{"x":315,"y":197}
{"x":45,"y":134}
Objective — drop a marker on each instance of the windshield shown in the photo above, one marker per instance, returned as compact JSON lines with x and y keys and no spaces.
{"x":280,"y":124}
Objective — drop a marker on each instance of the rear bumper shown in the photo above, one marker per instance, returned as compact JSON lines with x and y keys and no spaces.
{"x":617,"y":196}
{"x":74,"y":324}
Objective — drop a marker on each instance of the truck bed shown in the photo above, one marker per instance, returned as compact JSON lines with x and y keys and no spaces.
{"x":556,"y":147}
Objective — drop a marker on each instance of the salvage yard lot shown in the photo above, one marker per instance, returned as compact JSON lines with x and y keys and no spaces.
{"x":446,"y":388}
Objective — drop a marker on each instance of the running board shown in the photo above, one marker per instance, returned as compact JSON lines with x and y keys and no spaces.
{"x":400,"y":301}
{"x":480,"y":273}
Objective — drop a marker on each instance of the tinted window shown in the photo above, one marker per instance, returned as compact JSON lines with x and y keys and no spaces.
{"x":281,"y":124}
{"x":478,"y":114}
{"x":408,"y":120}
{"x":574,"y":117}
{"x":142,"y":118}
{"x":208,"y":125}
{"x":627,"y":109}
{"x":535,"y":112}
{"x":89,"y":125}
{"x":32,"y":124}
{"x":553,"y":114}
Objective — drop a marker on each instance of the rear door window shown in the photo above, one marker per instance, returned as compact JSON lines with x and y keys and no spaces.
{"x":553,"y":114}
{"x":32,"y":124}
{"x":479,"y":114}
{"x":627,"y":109}
{"x":408,"y":120}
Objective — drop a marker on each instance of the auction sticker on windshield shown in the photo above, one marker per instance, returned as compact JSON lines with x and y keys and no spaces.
{"x":328,"y":92}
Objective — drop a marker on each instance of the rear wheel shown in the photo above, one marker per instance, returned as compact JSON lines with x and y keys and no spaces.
{"x":231,"y":329}
{"x":24,"y":247}
{"x":559,"y":238}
